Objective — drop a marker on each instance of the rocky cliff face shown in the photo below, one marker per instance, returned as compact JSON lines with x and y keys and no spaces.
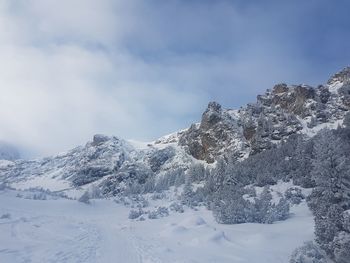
{"x":218,"y":131}
{"x":277,"y":114}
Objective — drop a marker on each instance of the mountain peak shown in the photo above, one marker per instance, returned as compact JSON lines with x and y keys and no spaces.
{"x":99,"y":139}
{"x":214,"y":106}
{"x":342,"y":76}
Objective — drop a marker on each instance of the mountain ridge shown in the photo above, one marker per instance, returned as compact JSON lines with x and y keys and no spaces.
{"x":112,"y":162}
{"x":280,"y":112}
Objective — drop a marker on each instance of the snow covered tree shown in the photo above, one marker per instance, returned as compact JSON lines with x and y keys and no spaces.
{"x":346,"y":121}
{"x":187,"y":194}
{"x":281,"y":211}
{"x":229,"y":206}
{"x":331,"y":196}
{"x":309,"y":253}
{"x":196,"y":172}
{"x":263,"y":208}
{"x":341,"y":245}
{"x":215,"y":178}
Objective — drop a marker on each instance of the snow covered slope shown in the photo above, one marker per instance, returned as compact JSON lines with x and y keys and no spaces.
{"x":40,"y":221}
{"x":103,"y":161}
{"x":64,"y":230}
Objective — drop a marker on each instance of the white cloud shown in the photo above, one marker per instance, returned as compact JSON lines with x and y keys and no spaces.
{"x":70,"y":69}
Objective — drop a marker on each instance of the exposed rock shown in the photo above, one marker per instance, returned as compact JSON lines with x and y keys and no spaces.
{"x":99,"y":139}
{"x":249,"y":132}
{"x":280,"y":88}
{"x":324,"y":94}
{"x":341,"y":76}
{"x":211,"y":116}
{"x":217,"y":131}
{"x":158,"y":158}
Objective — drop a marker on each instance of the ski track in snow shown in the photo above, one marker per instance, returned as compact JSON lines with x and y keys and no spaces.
{"x":56,"y":237}
{"x":43,"y":235}
{"x":86,"y":242}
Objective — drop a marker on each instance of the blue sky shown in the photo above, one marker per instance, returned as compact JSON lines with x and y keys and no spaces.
{"x":142,"y":69}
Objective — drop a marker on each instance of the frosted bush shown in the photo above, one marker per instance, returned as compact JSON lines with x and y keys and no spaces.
{"x":176,"y":207}
{"x":158,"y":196}
{"x":294,"y":195}
{"x":308,"y":253}
{"x":133,"y":214}
{"x":160,"y":212}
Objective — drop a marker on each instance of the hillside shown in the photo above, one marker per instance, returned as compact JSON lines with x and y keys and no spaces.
{"x":244,"y":170}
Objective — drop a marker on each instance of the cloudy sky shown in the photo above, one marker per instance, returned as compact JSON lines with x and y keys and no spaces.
{"x":142,"y":69}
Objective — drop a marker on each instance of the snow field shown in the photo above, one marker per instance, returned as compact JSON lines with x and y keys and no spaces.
{"x":68,"y":231}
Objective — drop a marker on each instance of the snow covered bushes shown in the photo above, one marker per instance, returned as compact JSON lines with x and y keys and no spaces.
{"x":153,"y":214}
{"x":308,"y":253}
{"x":91,"y":193}
{"x":175,"y":177}
{"x":131,"y":178}
{"x":290,"y":161}
{"x":196,"y":173}
{"x":176,"y":207}
{"x":159,"y":212}
{"x":321,"y":162}
{"x":39,"y":196}
{"x":342,"y":247}
{"x":133,"y":214}
{"x":294,"y":195}
{"x":236,"y":209}
{"x":232,"y":210}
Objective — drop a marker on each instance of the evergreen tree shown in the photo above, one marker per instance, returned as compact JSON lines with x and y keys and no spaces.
{"x":330,"y":198}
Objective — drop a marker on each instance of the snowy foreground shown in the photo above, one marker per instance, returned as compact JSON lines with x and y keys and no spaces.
{"x":69,"y":231}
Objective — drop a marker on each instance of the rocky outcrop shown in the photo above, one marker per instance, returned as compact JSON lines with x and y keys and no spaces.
{"x":217,"y":131}
{"x":99,"y":139}
{"x":292,"y":99}
{"x":342,"y":76}
{"x":277,"y":114}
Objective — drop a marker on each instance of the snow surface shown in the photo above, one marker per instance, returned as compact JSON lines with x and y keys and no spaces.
{"x":310,"y":132}
{"x":139,"y":145}
{"x":172,"y":138}
{"x":65,"y":230}
{"x":6,"y":163}
{"x":334,"y":87}
{"x":46,"y":182}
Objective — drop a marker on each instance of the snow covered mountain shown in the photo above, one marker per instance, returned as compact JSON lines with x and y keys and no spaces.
{"x":112,"y":163}
{"x":235,"y":184}
{"x":107,"y":161}
{"x":277,"y":114}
